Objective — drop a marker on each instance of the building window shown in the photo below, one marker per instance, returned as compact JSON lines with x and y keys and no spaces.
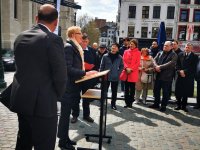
{"x":156,"y":12}
{"x":182,"y":33}
{"x":131,"y":30}
{"x":170,"y":12}
{"x":169,"y":33}
{"x":15,"y":9}
{"x":197,"y":1}
{"x":145,"y":12}
{"x":184,"y":15}
{"x":154,"y":32}
{"x":132,"y":12}
{"x":196,"y":15}
{"x":144,"y":31}
{"x":185,"y":1}
{"x":196,"y":35}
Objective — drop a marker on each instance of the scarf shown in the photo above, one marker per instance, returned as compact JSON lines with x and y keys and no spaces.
{"x":147,"y":57}
{"x":81,"y":52}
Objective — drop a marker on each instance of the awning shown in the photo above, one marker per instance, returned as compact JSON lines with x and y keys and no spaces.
{"x":63,"y":3}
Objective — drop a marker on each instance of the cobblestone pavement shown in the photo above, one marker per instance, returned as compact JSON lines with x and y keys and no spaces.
{"x":139,"y":128}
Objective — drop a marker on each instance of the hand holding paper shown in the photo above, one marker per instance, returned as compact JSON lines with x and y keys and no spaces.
{"x":91,"y":72}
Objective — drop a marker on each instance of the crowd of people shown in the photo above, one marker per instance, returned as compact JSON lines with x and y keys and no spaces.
{"x":46,"y":71}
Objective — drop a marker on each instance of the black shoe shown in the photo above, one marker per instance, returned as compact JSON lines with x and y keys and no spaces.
{"x":74,"y":120}
{"x":88,"y":119}
{"x":177,"y":108}
{"x":153,"y":106}
{"x":185,"y":109}
{"x":163,"y":109}
{"x":196,"y":107}
{"x":71,"y":142}
{"x":66,"y":146}
{"x":126,"y":106}
{"x":130,"y":106}
{"x":113,"y":107}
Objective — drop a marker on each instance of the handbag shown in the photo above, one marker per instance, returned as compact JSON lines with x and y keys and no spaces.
{"x":5,"y":96}
{"x":146,"y":78}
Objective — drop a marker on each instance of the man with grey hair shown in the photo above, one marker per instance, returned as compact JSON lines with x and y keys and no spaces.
{"x":186,"y":69}
{"x":165,"y":62}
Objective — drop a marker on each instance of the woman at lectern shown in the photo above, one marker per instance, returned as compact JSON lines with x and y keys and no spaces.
{"x":75,"y":70}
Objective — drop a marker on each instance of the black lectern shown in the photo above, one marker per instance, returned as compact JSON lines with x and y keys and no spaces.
{"x":102,"y":96}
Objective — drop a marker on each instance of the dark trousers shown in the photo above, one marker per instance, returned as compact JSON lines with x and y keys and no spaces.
{"x":166,"y":87}
{"x":69,"y":100}
{"x":129,"y":93}
{"x":182,"y":102}
{"x":198,"y":93}
{"x":114,"y":87}
{"x":86,"y":102}
{"x":85,"y":105}
{"x":37,"y":132}
{"x":122,"y":85}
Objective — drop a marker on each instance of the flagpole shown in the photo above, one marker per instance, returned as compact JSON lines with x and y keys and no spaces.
{"x":58,"y":9}
{"x":2,"y":82}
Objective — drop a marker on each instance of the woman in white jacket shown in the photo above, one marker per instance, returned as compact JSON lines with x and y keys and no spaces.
{"x":145,"y":70}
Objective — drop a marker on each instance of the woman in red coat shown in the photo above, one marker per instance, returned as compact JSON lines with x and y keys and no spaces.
{"x":131,"y":59}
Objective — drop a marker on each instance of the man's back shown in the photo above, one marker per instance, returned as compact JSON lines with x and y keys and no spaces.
{"x":40,"y":74}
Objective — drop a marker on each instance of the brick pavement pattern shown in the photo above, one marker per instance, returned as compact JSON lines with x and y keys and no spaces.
{"x":139,"y":128}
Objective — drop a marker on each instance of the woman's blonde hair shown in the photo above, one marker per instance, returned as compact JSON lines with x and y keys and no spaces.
{"x":73,"y":29}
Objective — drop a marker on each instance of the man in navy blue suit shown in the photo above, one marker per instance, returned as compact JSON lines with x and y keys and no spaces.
{"x":90,"y":64}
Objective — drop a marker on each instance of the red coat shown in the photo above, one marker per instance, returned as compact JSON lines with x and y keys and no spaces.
{"x":131,"y":59}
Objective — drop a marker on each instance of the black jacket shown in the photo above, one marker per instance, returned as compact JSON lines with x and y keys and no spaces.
{"x":74,"y":67}
{"x":167,"y":62}
{"x":197,"y":75}
{"x":185,"y":85}
{"x":40,"y":72}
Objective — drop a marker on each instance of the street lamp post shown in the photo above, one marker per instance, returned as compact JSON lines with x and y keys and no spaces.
{"x":75,"y":10}
{"x":2,"y":82}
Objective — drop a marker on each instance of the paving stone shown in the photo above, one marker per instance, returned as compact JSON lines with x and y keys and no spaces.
{"x":140,"y":128}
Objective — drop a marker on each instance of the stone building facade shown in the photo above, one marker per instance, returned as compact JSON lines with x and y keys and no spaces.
{"x":19,"y":15}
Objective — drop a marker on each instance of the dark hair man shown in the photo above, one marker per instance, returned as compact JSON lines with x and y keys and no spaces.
{"x":89,"y":63}
{"x":39,"y":81}
{"x":154,"y":49}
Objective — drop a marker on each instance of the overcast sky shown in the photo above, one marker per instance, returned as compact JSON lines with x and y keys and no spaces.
{"x":103,"y":9}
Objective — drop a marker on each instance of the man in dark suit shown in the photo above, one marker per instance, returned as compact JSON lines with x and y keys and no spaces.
{"x":165,"y":62}
{"x":186,"y":69}
{"x":39,"y":81}
{"x":197,"y":77}
{"x":90,"y":64}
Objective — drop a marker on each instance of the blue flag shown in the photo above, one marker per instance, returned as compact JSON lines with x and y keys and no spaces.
{"x":161,"y":37}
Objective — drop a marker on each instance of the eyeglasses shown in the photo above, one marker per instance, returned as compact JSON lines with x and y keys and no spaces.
{"x":79,"y":33}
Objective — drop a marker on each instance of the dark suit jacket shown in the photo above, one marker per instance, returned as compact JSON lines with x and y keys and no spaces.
{"x":185,"y":86}
{"x":167,"y":62}
{"x":41,"y":72}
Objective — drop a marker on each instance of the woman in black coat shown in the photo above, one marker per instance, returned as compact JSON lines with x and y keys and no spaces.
{"x":185,"y":68}
{"x":75,"y":70}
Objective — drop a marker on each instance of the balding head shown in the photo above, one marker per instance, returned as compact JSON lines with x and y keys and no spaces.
{"x":47,"y":13}
{"x":167,"y":46}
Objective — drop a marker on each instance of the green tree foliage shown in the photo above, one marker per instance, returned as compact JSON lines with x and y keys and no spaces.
{"x":88,"y":26}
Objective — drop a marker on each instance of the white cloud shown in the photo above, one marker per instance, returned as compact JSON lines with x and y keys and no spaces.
{"x":103,"y":9}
